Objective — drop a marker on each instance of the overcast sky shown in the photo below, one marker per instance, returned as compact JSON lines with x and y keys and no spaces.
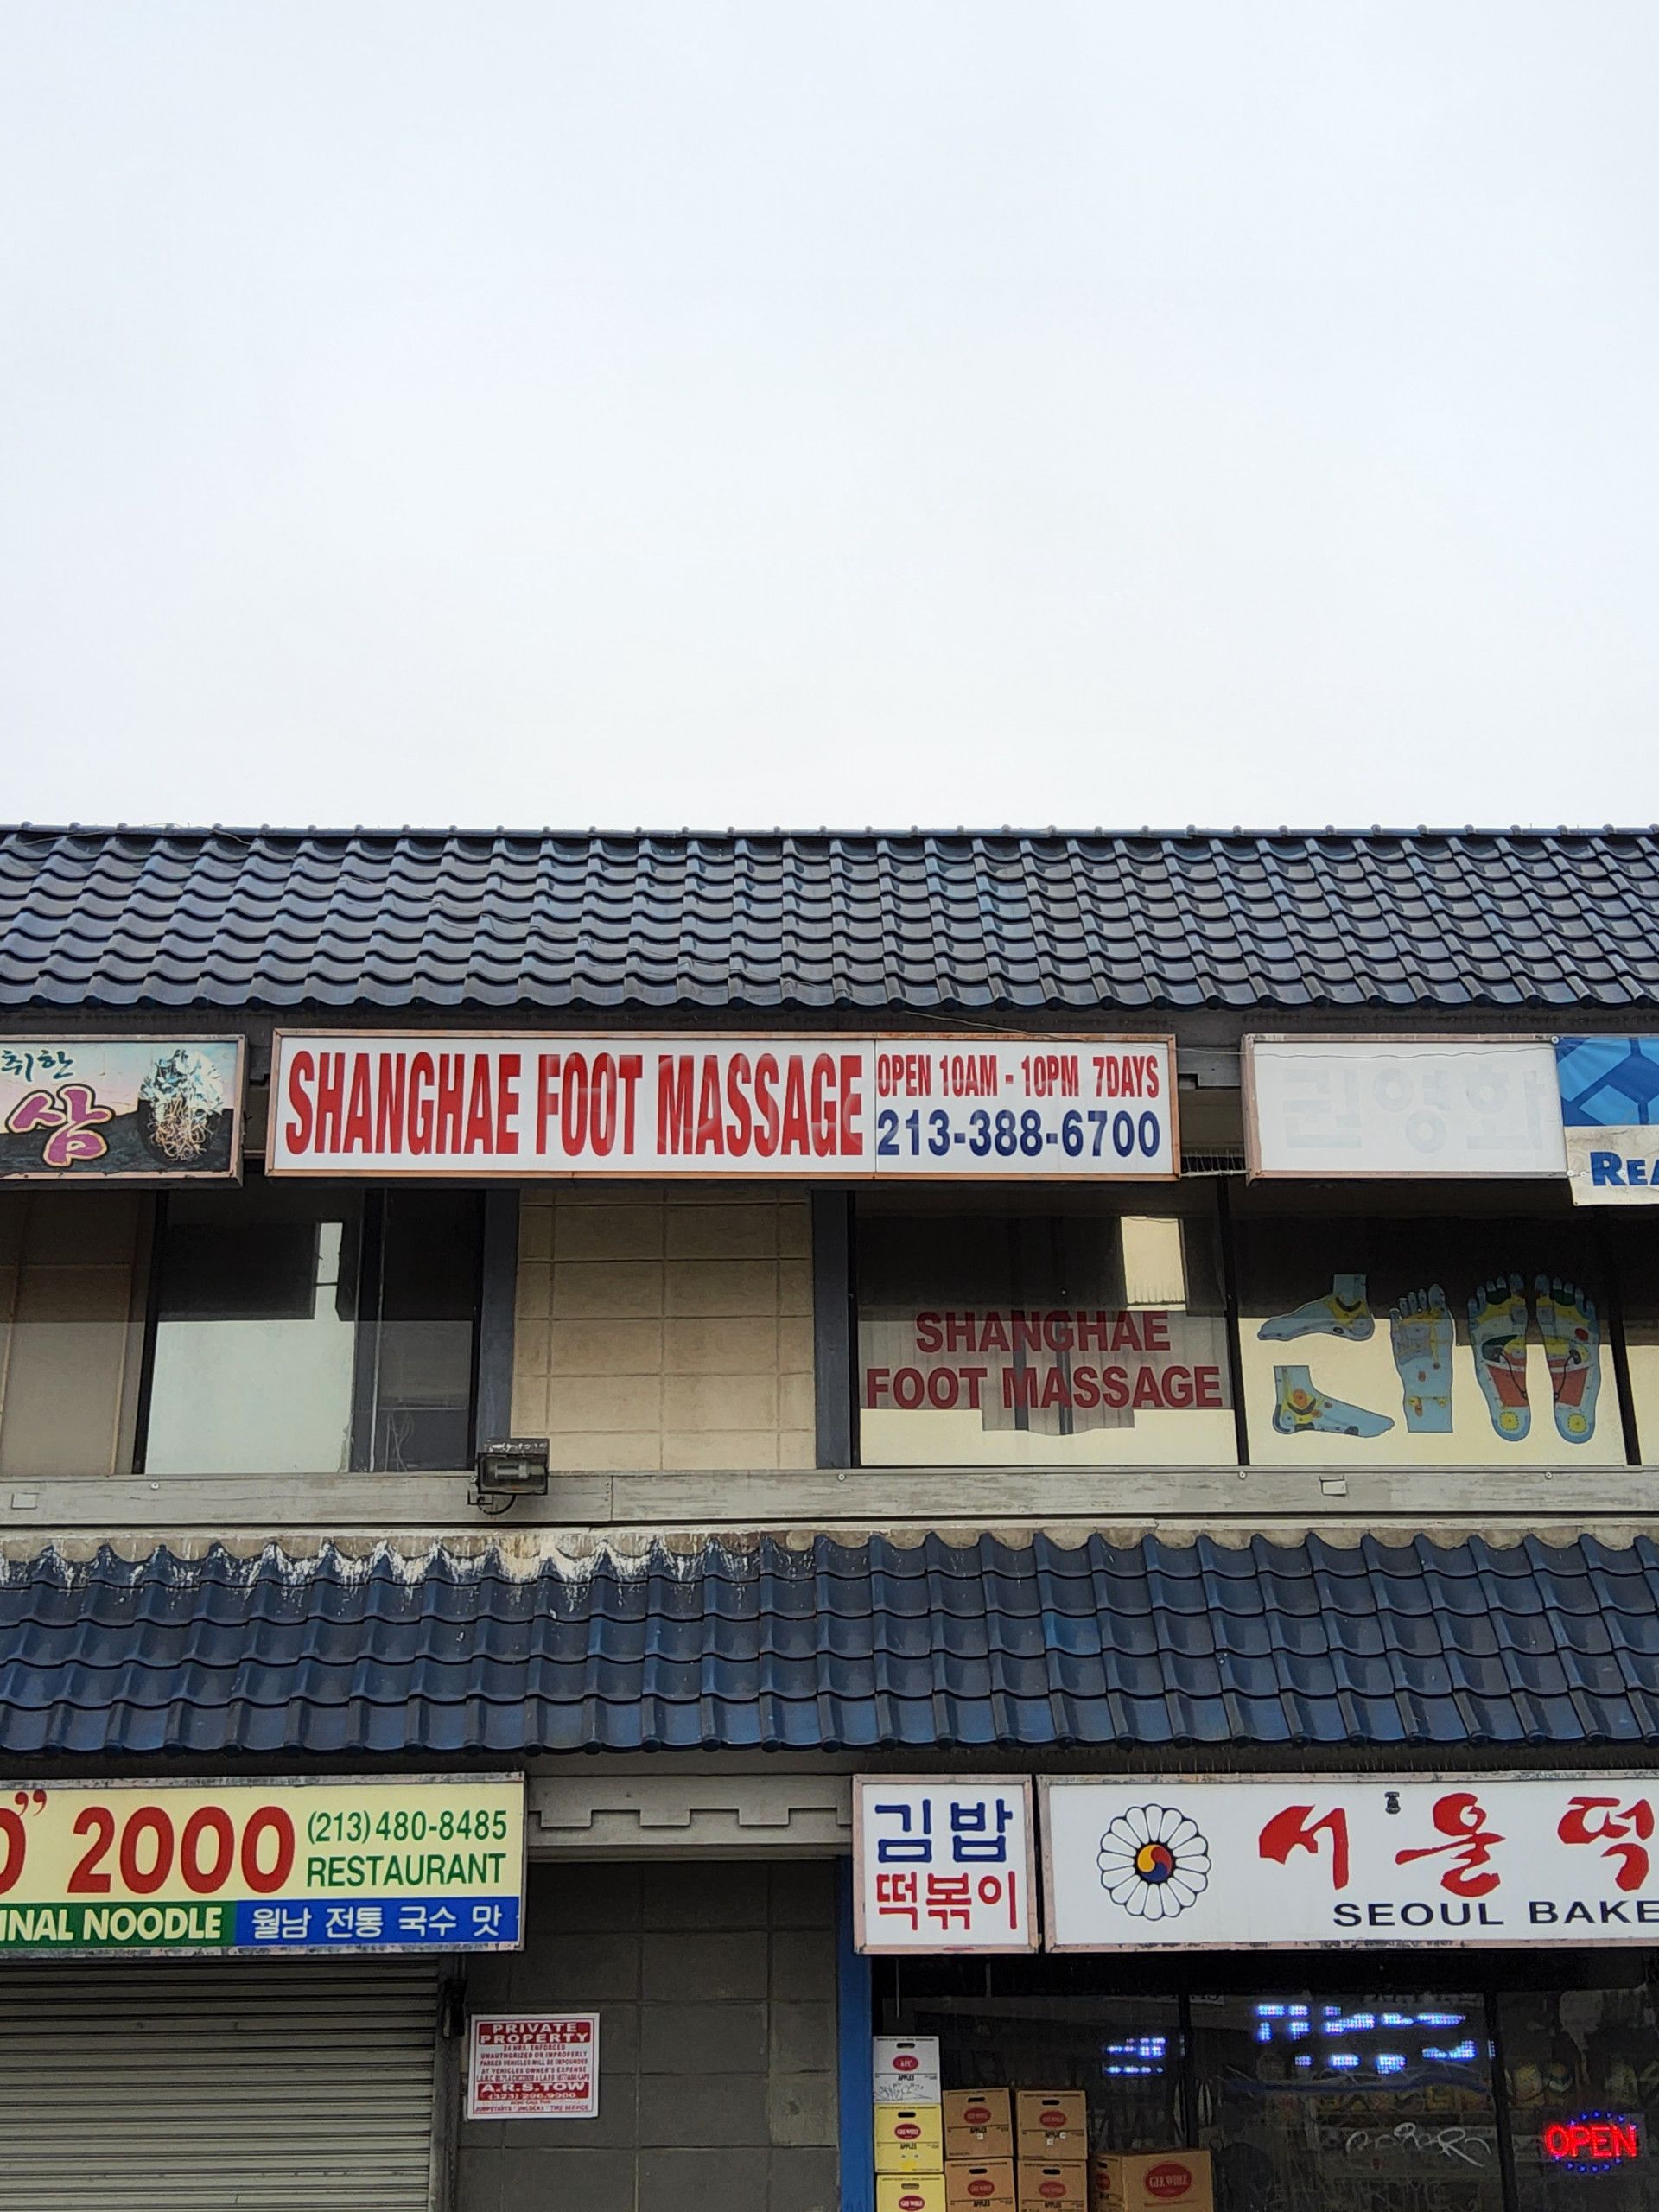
{"x":758,"y":411}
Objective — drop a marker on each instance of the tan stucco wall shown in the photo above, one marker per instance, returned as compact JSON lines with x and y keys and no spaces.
{"x":666,"y":1326}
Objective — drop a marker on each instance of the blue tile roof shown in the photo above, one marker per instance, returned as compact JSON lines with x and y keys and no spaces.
{"x":912,"y":923}
{"x":973,"y":1646}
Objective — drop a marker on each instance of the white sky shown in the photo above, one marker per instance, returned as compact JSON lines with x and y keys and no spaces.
{"x":710,"y":411}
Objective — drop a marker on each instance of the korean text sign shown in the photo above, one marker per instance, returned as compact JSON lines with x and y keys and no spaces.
{"x":533,"y":2066}
{"x":1329,"y":1860}
{"x":973,"y":1108}
{"x":943,"y":1864}
{"x":1465,"y":1106}
{"x":139,"y":1108}
{"x":423,"y":1863}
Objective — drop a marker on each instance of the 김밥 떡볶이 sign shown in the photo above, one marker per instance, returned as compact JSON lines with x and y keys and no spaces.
{"x":1049,"y":1110}
{"x":1319,"y":1860}
{"x":338,"y":1865}
{"x":942,"y":1865}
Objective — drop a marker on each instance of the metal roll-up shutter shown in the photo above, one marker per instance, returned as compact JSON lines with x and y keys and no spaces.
{"x":293,"y":2085}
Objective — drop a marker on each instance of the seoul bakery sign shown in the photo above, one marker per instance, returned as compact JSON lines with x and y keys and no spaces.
{"x":1329,"y":1861}
{"x":424,"y":1103}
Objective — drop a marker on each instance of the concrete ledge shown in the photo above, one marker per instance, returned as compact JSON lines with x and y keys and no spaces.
{"x":245,"y":1506}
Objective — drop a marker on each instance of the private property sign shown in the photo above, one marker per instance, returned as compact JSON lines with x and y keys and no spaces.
{"x":418,"y":1864}
{"x":533,"y":2066}
{"x":843,"y":1107}
{"x":1334,"y":1861}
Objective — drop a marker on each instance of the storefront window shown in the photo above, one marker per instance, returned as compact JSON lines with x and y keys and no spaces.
{"x":299,"y":1332}
{"x":1438,"y":1339}
{"x":1325,"y":2098}
{"x":1629,"y":1244}
{"x":1085,"y":1332}
{"x":1347,"y":2104}
{"x":1038,"y":2025}
{"x":1582,"y":2066}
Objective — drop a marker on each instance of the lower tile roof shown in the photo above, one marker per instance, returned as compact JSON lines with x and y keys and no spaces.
{"x":973,"y":1645}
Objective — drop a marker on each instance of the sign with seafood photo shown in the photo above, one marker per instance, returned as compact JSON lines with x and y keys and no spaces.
{"x":135,"y":1108}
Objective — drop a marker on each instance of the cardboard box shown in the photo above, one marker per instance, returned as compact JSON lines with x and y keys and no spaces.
{"x":905,"y":2070}
{"x":1062,"y":2188}
{"x":909,"y":2193}
{"x":1051,"y":2126}
{"x":979,"y":2185}
{"x":1149,"y":2181}
{"x":978,"y":2124}
{"x":908,"y":2140}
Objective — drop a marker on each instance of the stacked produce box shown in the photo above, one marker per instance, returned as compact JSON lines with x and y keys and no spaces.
{"x":909,"y":2125}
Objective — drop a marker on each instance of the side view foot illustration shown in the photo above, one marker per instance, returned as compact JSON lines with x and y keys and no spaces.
{"x":1571,"y":1335}
{"x":1299,"y":1409}
{"x":1421,"y":1337}
{"x":1343,"y":1312}
{"x":1497,"y":1338}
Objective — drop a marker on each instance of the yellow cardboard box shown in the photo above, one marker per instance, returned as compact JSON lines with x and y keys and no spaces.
{"x":978,"y":2124}
{"x":908,"y":2140}
{"x":909,"y":2193}
{"x":1155,"y":2181}
{"x":1051,"y":2125}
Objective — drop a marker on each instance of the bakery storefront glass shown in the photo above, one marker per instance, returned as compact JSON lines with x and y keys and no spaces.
{"x":1021,"y":1327}
{"x":1399,"y":2082}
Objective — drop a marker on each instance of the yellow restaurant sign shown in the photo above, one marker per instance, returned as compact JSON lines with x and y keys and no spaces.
{"x":420,"y":1863}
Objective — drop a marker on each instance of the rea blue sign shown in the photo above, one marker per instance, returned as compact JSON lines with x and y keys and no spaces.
{"x":1609,"y":1114}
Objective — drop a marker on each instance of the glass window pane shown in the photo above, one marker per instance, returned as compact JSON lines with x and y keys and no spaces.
{"x":1437,"y":1340}
{"x":1583,"y":2072}
{"x":1314,"y":2103}
{"x":1000,"y":1332}
{"x":1041,"y":2026}
{"x":422,"y":1385}
{"x":255,"y":1332}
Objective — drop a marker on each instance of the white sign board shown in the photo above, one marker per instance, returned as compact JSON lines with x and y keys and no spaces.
{"x":1313,"y":1861}
{"x":533,"y":2066}
{"x":468,"y":1104}
{"x":1471,"y":1106}
{"x":943,"y":1864}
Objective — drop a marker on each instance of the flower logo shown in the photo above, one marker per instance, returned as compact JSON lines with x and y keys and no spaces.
{"x":1154,"y":1862}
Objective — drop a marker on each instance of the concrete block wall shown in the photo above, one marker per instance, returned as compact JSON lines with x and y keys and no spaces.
{"x":715,"y":1988}
{"x":666,"y":1325}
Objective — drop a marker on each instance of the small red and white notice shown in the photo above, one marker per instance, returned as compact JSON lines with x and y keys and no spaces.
{"x":533,"y":2066}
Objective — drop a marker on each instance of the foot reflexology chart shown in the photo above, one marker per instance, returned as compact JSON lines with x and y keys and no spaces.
{"x":1504,"y":1318}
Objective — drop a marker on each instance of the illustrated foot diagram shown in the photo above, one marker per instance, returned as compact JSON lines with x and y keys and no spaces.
{"x":1571,"y":1335}
{"x":1497,"y":1338}
{"x":1421,"y":1337}
{"x":1299,"y":1409}
{"x":1343,"y":1313}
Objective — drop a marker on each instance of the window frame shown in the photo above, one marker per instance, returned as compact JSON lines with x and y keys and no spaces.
{"x":485,"y":1393}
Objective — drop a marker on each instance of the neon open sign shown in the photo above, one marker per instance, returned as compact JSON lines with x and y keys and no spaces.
{"x":1593,"y":2142}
